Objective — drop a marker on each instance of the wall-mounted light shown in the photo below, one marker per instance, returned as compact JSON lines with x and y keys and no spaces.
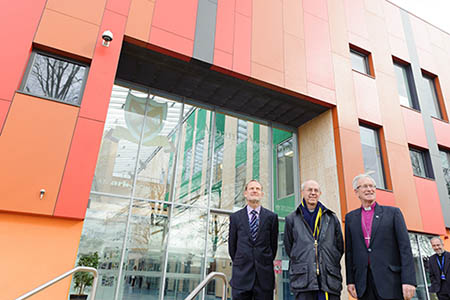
{"x":107,"y":37}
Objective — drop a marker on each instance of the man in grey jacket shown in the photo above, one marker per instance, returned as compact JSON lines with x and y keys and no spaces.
{"x":313,"y":241}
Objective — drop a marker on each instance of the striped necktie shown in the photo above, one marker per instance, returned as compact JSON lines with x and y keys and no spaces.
{"x":254,"y":224}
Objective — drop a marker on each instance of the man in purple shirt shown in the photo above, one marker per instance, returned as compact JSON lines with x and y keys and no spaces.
{"x":378,"y":257}
{"x":252,"y":245}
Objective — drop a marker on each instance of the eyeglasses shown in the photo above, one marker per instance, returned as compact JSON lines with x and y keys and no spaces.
{"x":366,"y":187}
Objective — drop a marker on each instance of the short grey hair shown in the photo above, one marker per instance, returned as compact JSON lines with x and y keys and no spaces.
{"x":306,"y":181}
{"x":360,"y":176}
{"x":437,"y":238}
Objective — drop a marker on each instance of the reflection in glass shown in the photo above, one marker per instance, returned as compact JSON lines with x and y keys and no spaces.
{"x":191,"y":183}
{"x":403,"y":85}
{"x":144,"y":261}
{"x":431,"y":98}
{"x":359,"y":62}
{"x":185,"y":251}
{"x":241,"y":153}
{"x":283,"y":164}
{"x":116,"y":162}
{"x":103,"y":232}
{"x":281,"y":263}
{"x":218,"y":259}
{"x":55,"y":78}
{"x":370,"y":144}
{"x":418,"y":162}
{"x":445,"y":160}
{"x":157,"y":150}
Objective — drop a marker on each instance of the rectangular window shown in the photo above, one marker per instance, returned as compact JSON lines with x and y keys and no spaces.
{"x":285,"y":168}
{"x":54,"y":78}
{"x":445,"y":160}
{"x":432,"y":99}
{"x":360,"y":60}
{"x":421,"y":163}
{"x":371,"y":150}
{"x":405,"y":85}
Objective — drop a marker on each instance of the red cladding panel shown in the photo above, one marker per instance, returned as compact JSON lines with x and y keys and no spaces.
{"x":319,"y":64}
{"x":94,"y":104}
{"x":18,"y":20}
{"x":175,"y":43}
{"x":77,"y":180}
{"x":242,"y":45}
{"x":244,"y":7}
{"x":415,"y":131}
{"x":385,"y":198}
{"x":224,"y":26}
{"x":430,"y":206}
{"x":177,"y":18}
{"x":442,"y":131}
{"x":119,"y":6}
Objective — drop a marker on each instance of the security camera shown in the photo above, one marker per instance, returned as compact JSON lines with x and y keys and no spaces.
{"x":107,"y":37}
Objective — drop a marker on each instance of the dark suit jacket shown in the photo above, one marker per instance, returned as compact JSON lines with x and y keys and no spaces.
{"x":435,"y":274}
{"x":391,"y":260}
{"x":253,"y":258}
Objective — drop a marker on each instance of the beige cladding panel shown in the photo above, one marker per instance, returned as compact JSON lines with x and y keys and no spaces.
{"x":318,"y":158}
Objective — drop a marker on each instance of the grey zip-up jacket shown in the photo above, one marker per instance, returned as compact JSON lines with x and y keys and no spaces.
{"x":309,"y":257}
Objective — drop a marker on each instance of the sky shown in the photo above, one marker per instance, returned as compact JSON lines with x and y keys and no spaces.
{"x":435,"y":12}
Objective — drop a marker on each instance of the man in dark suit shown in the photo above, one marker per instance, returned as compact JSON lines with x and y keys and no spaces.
{"x":379,"y":261}
{"x":252,"y":245}
{"x":438,"y":267}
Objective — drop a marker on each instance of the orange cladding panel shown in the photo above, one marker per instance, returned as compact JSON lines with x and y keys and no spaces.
{"x":33,"y":150}
{"x":77,"y":9}
{"x":18,"y":20}
{"x":223,"y":39}
{"x":76,"y":184}
{"x":140,"y":19}
{"x":173,"y":25}
{"x":57,"y":30}
{"x":430,"y":206}
{"x":415,"y":130}
{"x":119,"y":6}
{"x":36,"y":249}
{"x":4,"y":107}
{"x":385,"y":198}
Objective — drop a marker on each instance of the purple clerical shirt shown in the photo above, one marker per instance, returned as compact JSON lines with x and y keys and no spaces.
{"x":366,"y":222}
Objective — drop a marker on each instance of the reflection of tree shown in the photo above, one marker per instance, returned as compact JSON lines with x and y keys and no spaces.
{"x":55,"y":78}
{"x":218,"y":232}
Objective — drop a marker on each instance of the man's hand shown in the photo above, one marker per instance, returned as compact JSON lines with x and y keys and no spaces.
{"x":408,"y":291}
{"x":352,"y":290}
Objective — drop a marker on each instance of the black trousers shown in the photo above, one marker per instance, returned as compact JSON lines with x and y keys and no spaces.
{"x":371,"y":290}
{"x":314,"y":295}
{"x":443,"y":296}
{"x":257,"y":293}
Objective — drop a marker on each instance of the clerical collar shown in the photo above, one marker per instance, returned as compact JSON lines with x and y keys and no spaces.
{"x":369,"y":208}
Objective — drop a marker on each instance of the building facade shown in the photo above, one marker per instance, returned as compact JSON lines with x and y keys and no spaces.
{"x":139,"y":148}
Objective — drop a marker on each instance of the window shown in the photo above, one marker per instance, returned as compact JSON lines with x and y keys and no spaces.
{"x":55,"y":78}
{"x":405,"y":85}
{"x":360,"y":61}
{"x":285,"y":168}
{"x":432,"y":100}
{"x":445,"y":160}
{"x":421,"y":163}
{"x":373,"y":162}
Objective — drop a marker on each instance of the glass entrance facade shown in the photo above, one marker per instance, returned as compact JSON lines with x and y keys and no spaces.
{"x":168,"y":176}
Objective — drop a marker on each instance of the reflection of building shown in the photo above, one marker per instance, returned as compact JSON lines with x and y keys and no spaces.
{"x":141,"y":149}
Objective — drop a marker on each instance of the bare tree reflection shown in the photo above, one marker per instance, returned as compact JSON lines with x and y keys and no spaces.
{"x":56,"y":79}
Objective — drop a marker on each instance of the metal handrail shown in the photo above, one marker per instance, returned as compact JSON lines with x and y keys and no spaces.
{"x":53,"y":281}
{"x":205,"y":281}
